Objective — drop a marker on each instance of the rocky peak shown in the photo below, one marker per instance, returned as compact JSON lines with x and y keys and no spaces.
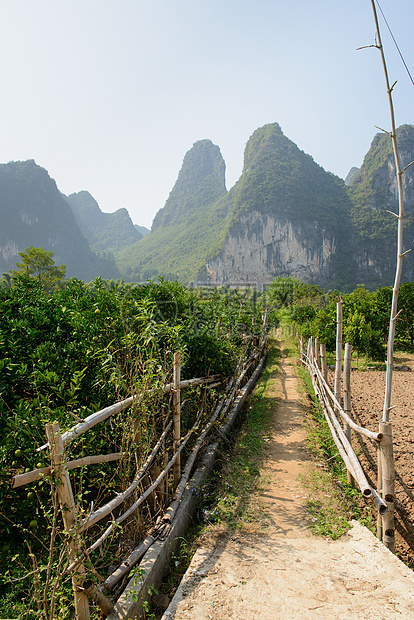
{"x":200,"y":182}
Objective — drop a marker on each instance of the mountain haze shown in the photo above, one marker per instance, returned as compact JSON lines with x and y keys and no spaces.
{"x":106,"y":232}
{"x":34,"y":213}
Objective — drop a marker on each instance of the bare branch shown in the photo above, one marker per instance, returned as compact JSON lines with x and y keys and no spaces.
{"x":410,"y":164}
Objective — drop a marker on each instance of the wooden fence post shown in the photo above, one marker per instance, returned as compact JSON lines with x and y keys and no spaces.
{"x":324,"y":365}
{"x":67,"y":506}
{"x":347,"y":398}
{"x":177,"y":416}
{"x":301,"y":352}
{"x":388,"y":478}
{"x":380,"y":493}
{"x":316,"y":349}
{"x":338,"y":359}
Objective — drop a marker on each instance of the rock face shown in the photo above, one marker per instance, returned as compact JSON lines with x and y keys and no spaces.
{"x":106,"y":232}
{"x":374,"y":195}
{"x":261,"y":247}
{"x":34,"y":213}
{"x":288,"y":216}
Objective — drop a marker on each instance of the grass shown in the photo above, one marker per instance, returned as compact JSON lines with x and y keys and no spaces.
{"x":232,"y":483}
{"x":226,"y":504}
{"x":334,"y":502}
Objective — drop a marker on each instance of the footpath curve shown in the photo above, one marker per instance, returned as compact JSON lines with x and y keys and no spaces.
{"x":280,"y":569}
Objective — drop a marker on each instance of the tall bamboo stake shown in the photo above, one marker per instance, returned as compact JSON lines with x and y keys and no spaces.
{"x":400,"y":253}
{"x":316,"y":345}
{"x":324,"y":365}
{"x":338,"y":359}
{"x":379,"y":485}
{"x":67,"y":506}
{"x":176,"y":416}
{"x":388,"y":477}
{"x":347,"y":396}
{"x":386,"y":449}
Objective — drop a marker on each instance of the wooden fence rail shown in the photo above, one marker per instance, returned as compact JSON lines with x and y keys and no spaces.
{"x":76,"y":527}
{"x":382,"y":439}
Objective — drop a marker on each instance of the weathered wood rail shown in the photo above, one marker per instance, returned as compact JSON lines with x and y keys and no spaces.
{"x":336,"y":412}
{"x":77,"y":525}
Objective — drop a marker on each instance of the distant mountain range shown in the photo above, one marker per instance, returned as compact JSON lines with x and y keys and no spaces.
{"x":285,"y":215}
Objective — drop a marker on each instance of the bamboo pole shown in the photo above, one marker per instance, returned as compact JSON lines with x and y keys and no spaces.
{"x":345,"y":449}
{"x":379,"y":485}
{"x":108,"y":508}
{"x":176,"y":415}
{"x":324,"y":365}
{"x":67,"y":506}
{"x":347,"y":397}
{"x":400,"y":253}
{"x":143,"y":497}
{"x":103,"y":414}
{"x":98,"y":597}
{"x":159,"y":530}
{"x":359,"y":429}
{"x":338,"y":357}
{"x":316,"y":350}
{"x":388,"y":479}
{"x":38,"y":474}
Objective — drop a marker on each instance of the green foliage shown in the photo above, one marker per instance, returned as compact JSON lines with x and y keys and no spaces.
{"x":39,"y":264}
{"x":66,"y":354}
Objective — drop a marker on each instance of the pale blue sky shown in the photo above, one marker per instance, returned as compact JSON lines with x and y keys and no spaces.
{"x":108,"y":95}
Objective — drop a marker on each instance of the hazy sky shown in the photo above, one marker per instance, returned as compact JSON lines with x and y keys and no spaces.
{"x":109,"y":95}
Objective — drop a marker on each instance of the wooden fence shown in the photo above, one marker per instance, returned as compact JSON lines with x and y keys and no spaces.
{"x":337,"y":412}
{"x":76,"y":524}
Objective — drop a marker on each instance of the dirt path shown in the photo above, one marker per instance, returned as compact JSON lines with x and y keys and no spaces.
{"x":281,"y":570}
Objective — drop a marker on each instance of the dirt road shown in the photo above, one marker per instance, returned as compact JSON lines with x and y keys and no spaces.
{"x":280,"y":570}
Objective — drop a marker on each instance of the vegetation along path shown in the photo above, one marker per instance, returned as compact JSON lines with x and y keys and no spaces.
{"x":272,"y":565}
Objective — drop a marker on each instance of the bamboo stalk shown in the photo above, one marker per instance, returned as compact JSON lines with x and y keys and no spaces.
{"x":356,"y":468}
{"x":324,"y":365}
{"x":93,"y":593}
{"x":316,"y":350}
{"x":400,"y":252}
{"x":159,"y":530}
{"x":388,"y":479}
{"x":359,"y":429}
{"x":379,"y":485}
{"x":176,"y":416}
{"x":67,"y":506}
{"x":338,"y":357}
{"x":38,"y":474}
{"x":143,"y":497}
{"x":103,"y":414}
{"x":347,"y":397}
{"x":121,"y":497}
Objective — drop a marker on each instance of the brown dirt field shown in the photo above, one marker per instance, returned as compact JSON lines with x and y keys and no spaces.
{"x":367,"y":396}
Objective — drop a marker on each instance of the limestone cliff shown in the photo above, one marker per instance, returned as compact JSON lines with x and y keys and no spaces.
{"x":287,"y":216}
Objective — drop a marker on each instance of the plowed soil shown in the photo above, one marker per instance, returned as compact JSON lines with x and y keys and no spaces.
{"x":367,"y":395}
